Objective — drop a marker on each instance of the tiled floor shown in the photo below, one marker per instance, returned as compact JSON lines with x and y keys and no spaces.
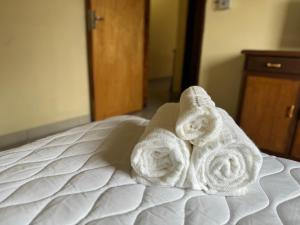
{"x":158,"y":94}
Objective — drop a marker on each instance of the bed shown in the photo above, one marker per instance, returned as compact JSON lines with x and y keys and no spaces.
{"x":82,"y":176}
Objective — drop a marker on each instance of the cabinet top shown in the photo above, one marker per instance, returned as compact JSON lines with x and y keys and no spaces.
{"x":272,"y":53}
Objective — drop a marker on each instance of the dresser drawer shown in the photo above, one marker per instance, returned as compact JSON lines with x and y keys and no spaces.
{"x":273,"y":64}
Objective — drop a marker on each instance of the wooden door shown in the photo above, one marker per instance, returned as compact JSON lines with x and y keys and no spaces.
{"x":117,"y":52}
{"x":268,"y":112}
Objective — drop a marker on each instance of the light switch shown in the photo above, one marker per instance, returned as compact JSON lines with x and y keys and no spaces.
{"x":222,"y":4}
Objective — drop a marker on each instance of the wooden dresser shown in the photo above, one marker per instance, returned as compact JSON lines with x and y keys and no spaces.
{"x":269,"y":103}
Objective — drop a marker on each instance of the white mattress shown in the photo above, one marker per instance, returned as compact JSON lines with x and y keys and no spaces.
{"x":82,"y":177}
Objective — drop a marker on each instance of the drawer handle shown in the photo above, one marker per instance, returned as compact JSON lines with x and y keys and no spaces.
{"x":291,"y":111}
{"x":274,"y":65}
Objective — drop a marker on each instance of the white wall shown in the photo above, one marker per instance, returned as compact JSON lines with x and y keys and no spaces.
{"x":43,"y":64}
{"x":249,"y":24}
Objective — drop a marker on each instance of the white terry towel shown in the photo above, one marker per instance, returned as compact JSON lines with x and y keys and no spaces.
{"x":160,"y":157}
{"x":227,"y":165}
{"x":198,"y":120}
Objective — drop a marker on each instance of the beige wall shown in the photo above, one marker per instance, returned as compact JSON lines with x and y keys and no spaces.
{"x":249,"y":24}
{"x":162,"y":39}
{"x":180,"y":45}
{"x":43,"y":65}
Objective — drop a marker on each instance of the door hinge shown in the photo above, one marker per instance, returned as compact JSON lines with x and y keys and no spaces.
{"x":92,"y":19}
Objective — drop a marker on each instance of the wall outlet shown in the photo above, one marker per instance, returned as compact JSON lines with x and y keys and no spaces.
{"x":222,"y":4}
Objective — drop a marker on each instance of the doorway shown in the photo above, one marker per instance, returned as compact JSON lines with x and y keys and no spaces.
{"x":167,"y":49}
{"x":163,"y":32}
{"x":174,"y":50}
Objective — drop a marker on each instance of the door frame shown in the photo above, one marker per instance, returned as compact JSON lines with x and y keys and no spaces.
{"x":193,"y":43}
{"x":192,"y":53}
{"x":87,"y":4}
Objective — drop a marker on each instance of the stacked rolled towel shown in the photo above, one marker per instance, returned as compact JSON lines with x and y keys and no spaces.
{"x":160,"y":157}
{"x":198,"y":120}
{"x":228,"y":164}
{"x":222,"y":160}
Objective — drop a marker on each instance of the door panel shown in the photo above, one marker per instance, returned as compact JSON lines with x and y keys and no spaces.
{"x":117,"y":53}
{"x":268,"y":115}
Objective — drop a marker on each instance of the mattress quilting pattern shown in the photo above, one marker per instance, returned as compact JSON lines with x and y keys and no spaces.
{"x":82,"y":176}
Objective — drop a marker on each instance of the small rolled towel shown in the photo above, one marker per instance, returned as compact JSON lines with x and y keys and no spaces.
{"x":160,"y":157}
{"x":198,"y":120}
{"x":229,"y":164}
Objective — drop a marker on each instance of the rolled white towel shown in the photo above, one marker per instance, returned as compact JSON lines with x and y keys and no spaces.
{"x":198,"y":120}
{"x":160,"y":157}
{"x":229,"y":164}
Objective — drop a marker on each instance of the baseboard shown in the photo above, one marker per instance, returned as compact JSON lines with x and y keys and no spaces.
{"x":26,"y":136}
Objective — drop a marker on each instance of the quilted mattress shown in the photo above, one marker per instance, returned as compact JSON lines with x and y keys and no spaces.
{"x":82,"y":176}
